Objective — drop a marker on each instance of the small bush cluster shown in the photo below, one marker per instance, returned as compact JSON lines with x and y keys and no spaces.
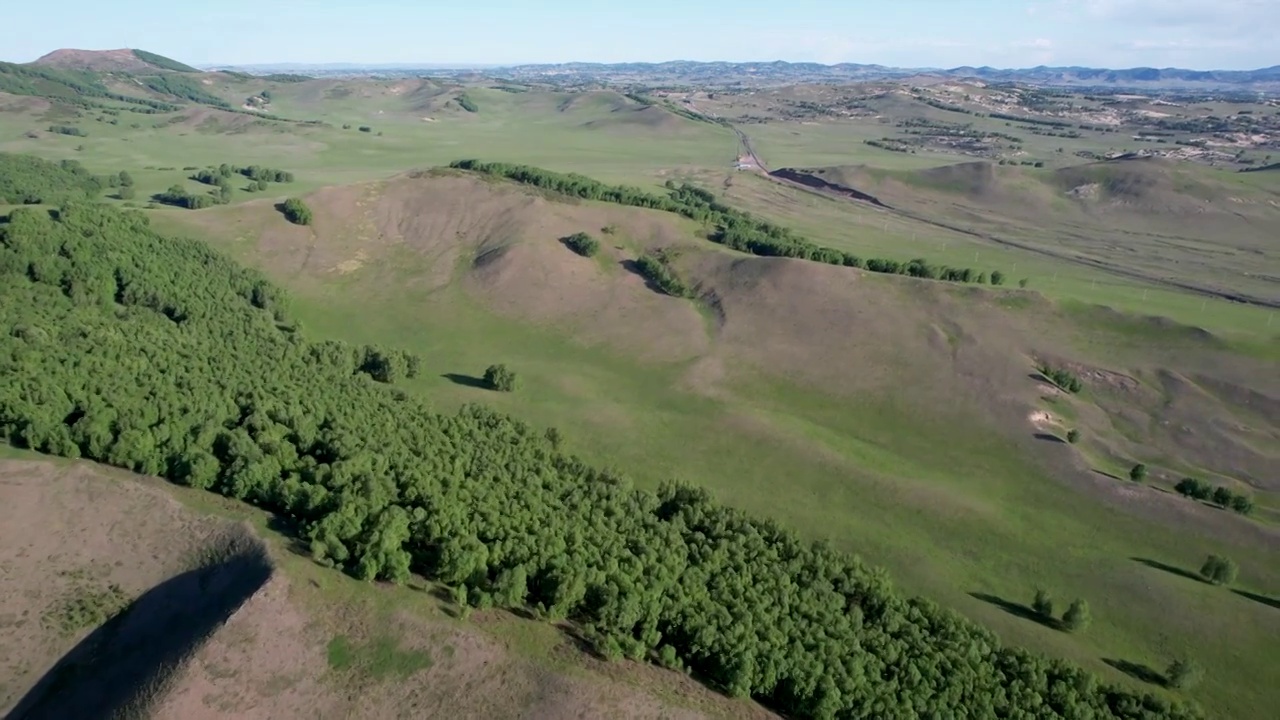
{"x":68,"y":130}
{"x":501,"y":378}
{"x":583,"y":244}
{"x":1219,"y":570}
{"x":297,"y":211}
{"x":178,"y":196}
{"x":1061,"y":377}
{"x":655,"y":268}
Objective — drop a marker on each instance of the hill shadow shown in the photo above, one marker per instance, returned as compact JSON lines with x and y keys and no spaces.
{"x":126,"y":664}
{"x":1016,"y":609}
{"x":1137,"y":671}
{"x":1169,"y":569}
{"x":470,"y":381}
{"x":1272,"y":602}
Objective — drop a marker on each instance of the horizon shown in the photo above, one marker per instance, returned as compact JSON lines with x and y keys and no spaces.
{"x":1223,"y":35}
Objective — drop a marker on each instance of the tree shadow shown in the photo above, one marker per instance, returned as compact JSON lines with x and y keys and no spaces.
{"x":1271,"y":602}
{"x":1104,"y":473}
{"x":1016,"y":609}
{"x":126,"y":664}
{"x":1050,"y":438}
{"x":470,"y":381}
{"x":290,"y":530}
{"x":279,"y":207}
{"x":1169,"y":569}
{"x":1137,"y":671}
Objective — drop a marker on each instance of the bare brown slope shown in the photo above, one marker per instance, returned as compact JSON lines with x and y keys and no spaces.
{"x":122,"y":60}
{"x":213,"y":630}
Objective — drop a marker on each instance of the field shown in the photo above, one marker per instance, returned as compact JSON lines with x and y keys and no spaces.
{"x":901,"y":419}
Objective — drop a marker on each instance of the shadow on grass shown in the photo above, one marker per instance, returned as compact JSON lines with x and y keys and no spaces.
{"x":1050,"y":438}
{"x":1016,"y":609}
{"x":1137,"y":671}
{"x":470,"y":381}
{"x":1104,"y":473}
{"x":124,"y":666}
{"x":1169,"y":569}
{"x":1271,"y":602}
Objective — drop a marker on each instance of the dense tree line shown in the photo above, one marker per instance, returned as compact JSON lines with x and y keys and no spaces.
{"x":184,"y":87}
{"x":68,"y":130}
{"x":467,"y":103}
{"x":1061,"y":377}
{"x":178,"y":196}
{"x":27,"y":180}
{"x":68,"y":86}
{"x":1220,"y":496}
{"x":161,"y":356}
{"x":265,"y":174}
{"x":728,"y":226}
{"x":163,"y":62}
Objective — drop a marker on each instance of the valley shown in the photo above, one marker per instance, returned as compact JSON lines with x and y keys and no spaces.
{"x":860,"y":347}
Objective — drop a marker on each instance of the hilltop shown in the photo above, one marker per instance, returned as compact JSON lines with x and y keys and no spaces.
{"x":123,"y":60}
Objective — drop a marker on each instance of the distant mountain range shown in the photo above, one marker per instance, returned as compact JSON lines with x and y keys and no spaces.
{"x":780,"y":72}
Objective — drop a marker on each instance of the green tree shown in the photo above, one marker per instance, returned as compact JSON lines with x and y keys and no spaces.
{"x":1138,"y":473}
{"x":1024,"y":282}
{"x":1242,"y":504}
{"x":1043,"y":604}
{"x":997,"y":277}
{"x":125,"y":179}
{"x":1222,"y":496}
{"x":501,"y":378}
{"x":1077,"y":617}
{"x":126,"y":192}
{"x":1183,"y":673}
{"x":1073,"y":436}
{"x":1219,"y":570}
{"x":297,"y":212}
{"x":583,"y":244}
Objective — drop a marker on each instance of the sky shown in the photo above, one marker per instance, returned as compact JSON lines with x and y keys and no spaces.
{"x":1199,"y":34}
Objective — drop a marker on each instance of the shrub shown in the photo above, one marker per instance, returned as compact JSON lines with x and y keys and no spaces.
{"x":1077,"y":616}
{"x":501,"y":378}
{"x":467,"y":103}
{"x":365,"y":128}
{"x":68,"y":130}
{"x":1222,"y":496}
{"x":1061,"y":377}
{"x":583,"y":244}
{"x":1138,"y":472}
{"x":609,"y":229}
{"x":1024,"y":282}
{"x":1073,"y":436}
{"x":1219,"y":570}
{"x":653,"y":266}
{"x":1043,"y":604}
{"x":125,"y":192}
{"x":997,"y":277}
{"x":297,"y":212}
{"x":1242,"y":504}
{"x":1183,"y":673}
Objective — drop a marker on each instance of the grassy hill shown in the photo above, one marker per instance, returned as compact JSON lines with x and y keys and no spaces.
{"x":901,"y":419}
{"x":111,"y":61}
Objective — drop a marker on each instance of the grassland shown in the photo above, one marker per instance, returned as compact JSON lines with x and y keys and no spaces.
{"x":885,"y":414}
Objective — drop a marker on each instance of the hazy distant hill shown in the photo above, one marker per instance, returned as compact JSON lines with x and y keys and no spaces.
{"x":779,"y":72}
{"x":123,"y":60}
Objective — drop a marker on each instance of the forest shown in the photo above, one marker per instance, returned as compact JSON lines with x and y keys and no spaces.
{"x":727,"y":226}
{"x":27,"y":180}
{"x":164,"y":357}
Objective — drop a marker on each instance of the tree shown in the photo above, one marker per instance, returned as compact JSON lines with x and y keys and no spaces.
{"x":1222,"y":496}
{"x":1193,"y":488}
{"x":1242,"y":504}
{"x":997,"y":277}
{"x":1138,"y":473}
{"x":1043,"y":604}
{"x":1024,"y":282}
{"x":1183,"y":673}
{"x":1073,"y":436}
{"x":297,"y":211}
{"x":1077,"y":617}
{"x":501,"y":378}
{"x":1219,"y":570}
{"x":125,"y":192}
{"x":125,"y":179}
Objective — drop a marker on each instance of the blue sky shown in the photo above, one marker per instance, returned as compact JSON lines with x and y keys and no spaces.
{"x":1203,"y":34}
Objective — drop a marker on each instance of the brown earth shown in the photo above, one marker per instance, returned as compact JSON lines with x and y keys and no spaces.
{"x":215,"y":623}
{"x":122,"y":60}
